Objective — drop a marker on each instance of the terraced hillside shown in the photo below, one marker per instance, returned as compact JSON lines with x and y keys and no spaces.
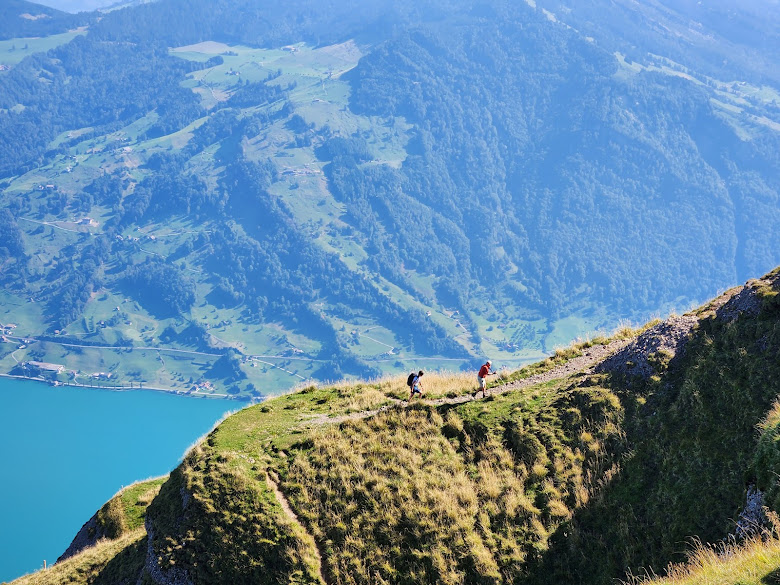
{"x":598,"y":462}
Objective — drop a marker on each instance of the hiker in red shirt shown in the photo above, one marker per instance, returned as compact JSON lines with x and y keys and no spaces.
{"x":484,"y":372}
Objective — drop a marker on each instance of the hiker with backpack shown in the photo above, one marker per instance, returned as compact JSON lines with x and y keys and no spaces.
{"x":482,"y":375}
{"x":413,"y":381}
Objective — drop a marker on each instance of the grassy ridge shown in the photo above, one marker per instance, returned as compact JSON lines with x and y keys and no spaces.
{"x":442,"y":494}
{"x":109,"y":561}
{"x":574,"y":480}
{"x":125,"y":512}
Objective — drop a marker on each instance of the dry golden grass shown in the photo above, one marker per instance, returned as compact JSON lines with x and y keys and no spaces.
{"x":396,"y":479}
{"x":755,"y":562}
{"x":369,"y":395}
{"x":772,"y":418}
{"x":408,"y":490}
{"x":84,"y":567}
{"x":625,"y":330}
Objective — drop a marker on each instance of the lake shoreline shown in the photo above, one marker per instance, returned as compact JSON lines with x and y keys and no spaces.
{"x":125,"y":388}
{"x":70,"y":452}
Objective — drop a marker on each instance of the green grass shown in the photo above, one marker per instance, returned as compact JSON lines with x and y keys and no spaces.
{"x":14,"y":50}
{"x":108,"y":562}
{"x":692,"y":447}
{"x":125,"y":512}
{"x":426,"y":468}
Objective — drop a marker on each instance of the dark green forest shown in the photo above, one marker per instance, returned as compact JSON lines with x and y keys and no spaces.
{"x":578,"y":178}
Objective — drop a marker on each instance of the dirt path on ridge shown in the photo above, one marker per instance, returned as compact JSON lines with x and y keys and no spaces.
{"x":584,"y":363}
{"x":273,"y":483}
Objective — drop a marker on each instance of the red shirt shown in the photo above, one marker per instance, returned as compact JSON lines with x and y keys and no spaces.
{"x":483,"y":371}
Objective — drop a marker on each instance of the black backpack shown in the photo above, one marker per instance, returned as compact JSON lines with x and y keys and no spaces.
{"x":410,"y":379}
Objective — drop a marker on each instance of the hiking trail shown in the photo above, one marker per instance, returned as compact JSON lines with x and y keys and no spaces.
{"x":590,"y":357}
{"x":273,"y":483}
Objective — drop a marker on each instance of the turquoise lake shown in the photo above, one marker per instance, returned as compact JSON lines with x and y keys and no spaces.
{"x":66,"y":451}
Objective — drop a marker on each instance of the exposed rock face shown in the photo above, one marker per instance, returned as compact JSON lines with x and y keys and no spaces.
{"x":635,"y":359}
{"x":744,"y":302}
{"x":752,"y":519}
{"x":88,"y":536}
{"x":669,"y":338}
{"x":174,"y":575}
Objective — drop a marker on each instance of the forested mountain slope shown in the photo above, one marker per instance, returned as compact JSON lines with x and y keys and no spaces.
{"x":716,"y":38}
{"x":22,"y":19}
{"x":274,"y":193}
{"x":576,"y":479}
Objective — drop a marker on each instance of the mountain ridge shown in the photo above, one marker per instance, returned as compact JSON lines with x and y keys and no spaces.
{"x":579,"y":408}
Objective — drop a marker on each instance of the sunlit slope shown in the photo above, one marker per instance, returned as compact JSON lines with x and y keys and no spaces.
{"x":575,"y":477}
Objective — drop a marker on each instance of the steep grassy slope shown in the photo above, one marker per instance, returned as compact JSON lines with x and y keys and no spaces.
{"x":121,"y":515}
{"x":573,"y":480}
{"x":110,"y":545}
{"x":692,"y":439}
{"x":108,"y":562}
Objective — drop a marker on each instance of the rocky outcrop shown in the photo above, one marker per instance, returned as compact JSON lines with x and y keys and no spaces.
{"x":744,"y":301}
{"x":666,"y":340}
{"x":172,"y":576}
{"x":88,"y":536}
{"x":752,"y":519}
{"x":152,"y":568}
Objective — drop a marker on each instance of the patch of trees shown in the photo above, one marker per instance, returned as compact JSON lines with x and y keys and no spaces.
{"x":78,"y":273}
{"x":192,"y":335}
{"x":105,"y":190}
{"x":258,"y":93}
{"x":228,"y":367}
{"x":352,"y":150}
{"x":11,"y":243}
{"x":176,"y":112}
{"x":340,"y":363}
{"x":163,"y":194}
{"x":161,"y":288}
{"x":228,"y":126}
